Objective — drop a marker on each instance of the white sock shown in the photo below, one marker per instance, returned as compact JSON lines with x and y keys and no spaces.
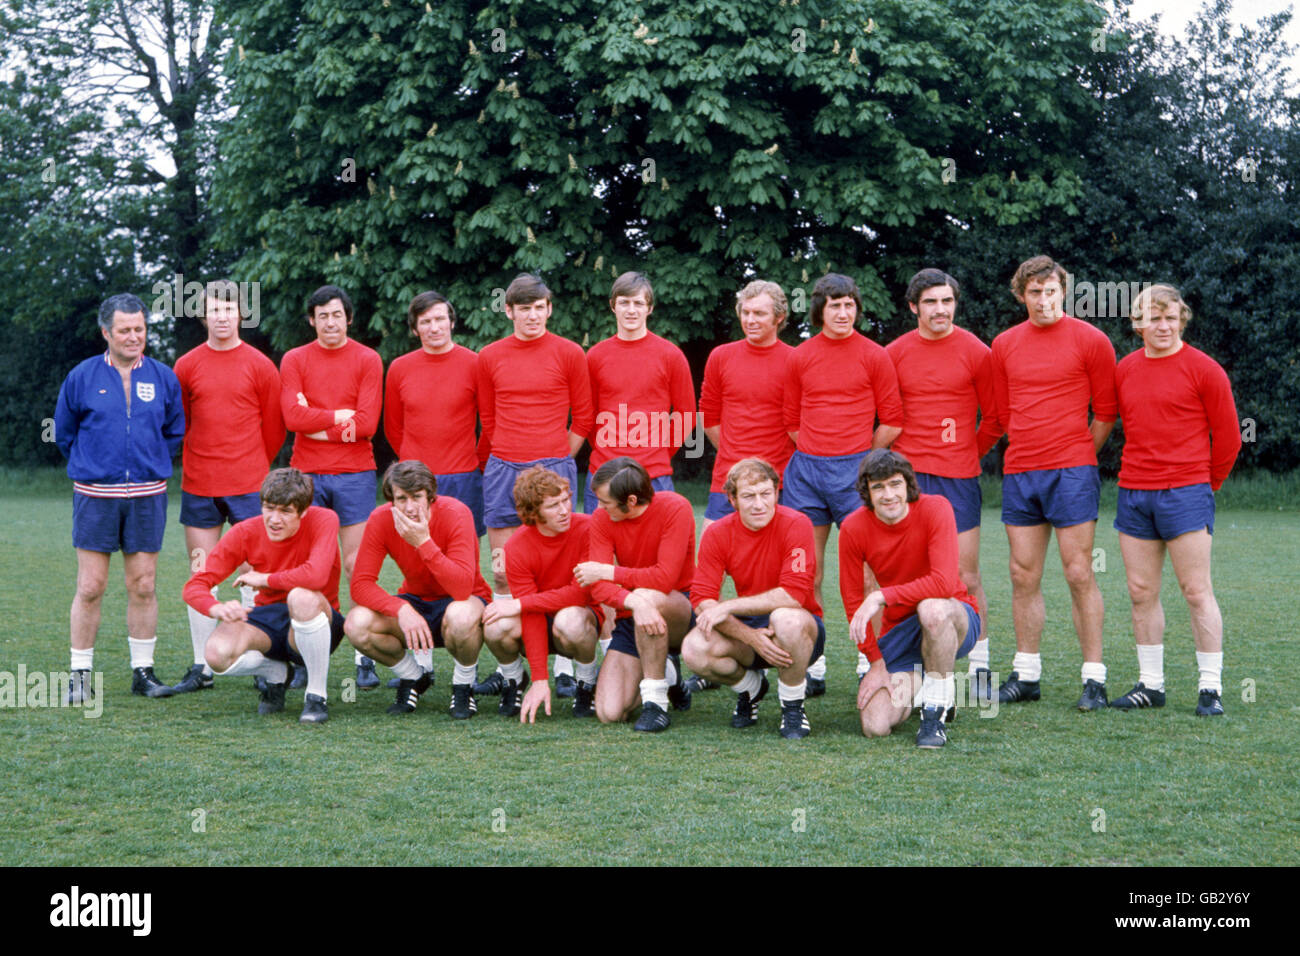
{"x":514,"y":671}
{"x":1211,"y":668}
{"x":247,"y":597}
{"x":356,"y":657}
{"x":786,"y":693}
{"x":817,"y":668}
{"x":563,"y":665}
{"x":749,"y":684}
{"x":586,"y":673}
{"x":463,"y":673}
{"x":864,"y":665}
{"x":654,"y":692}
{"x":1151,"y":666}
{"x":670,"y":671}
{"x":141,"y":652}
{"x":938,"y":691}
{"x":425,"y":658}
{"x":313,"y":639}
{"x":604,"y":645}
{"x":201,"y":628}
{"x":408,"y":668}
{"x":979,"y":655}
{"x":501,"y":595}
{"x":255,"y":662}
{"x":82,"y":659}
{"x":1028,"y":666}
{"x":1093,"y":670}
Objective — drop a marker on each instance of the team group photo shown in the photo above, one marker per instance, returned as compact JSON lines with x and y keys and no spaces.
{"x":531,"y":465}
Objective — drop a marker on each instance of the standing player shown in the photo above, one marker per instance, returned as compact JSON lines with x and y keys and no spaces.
{"x":292,"y":550}
{"x":530,"y":384}
{"x":119,"y":420}
{"x":1181,"y":440}
{"x":331,"y":393}
{"x":1047,"y":371}
{"x":839,"y":383}
{"x":775,"y":619}
{"x":441,"y":598}
{"x":945,"y":375}
{"x":907,"y":542}
{"x":549,"y":610}
{"x":231,"y":392}
{"x":431,"y":409}
{"x":651,"y":536}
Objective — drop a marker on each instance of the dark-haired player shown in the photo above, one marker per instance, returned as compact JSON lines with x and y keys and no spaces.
{"x":293,"y":553}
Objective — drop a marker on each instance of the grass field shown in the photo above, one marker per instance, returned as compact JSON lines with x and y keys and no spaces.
{"x":201,"y":779}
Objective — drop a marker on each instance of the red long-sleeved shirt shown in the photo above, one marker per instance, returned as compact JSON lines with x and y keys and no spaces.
{"x":539,"y":570}
{"x":780,"y":555}
{"x":526,"y":391}
{"x":912,"y":560}
{"x":635,"y":382}
{"x":444,"y":566}
{"x":309,"y":559}
{"x":228,"y":396}
{"x":351,"y":376}
{"x":431,"y":409}
{"x":655,"y":550}
{"x":945,"y":383}
{"x":743,"y":392}
{"x":1180,"y":420}
{"x":1044,"y":378}
{"x":834,"y":390}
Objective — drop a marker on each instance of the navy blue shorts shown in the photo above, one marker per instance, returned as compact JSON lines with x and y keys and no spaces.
{"x":590,"y":504}
{"x":720,"y":505}
{"x":901,"y":644}
{"x":822,"y":487}
{"x":350,"y":496}
{"x":1061,"y":497}
{"x":128,"y":525}
{"x":431,"y":611}
{"x":467,"y":488}
{"x":200,"y":512}
{"x":963,"y":494}
{"x":1164,"y":514}
{"x":273,"y":620}
{"x":499,"y":487}
{"x":623,"y":637}
{"x":761,"y":620}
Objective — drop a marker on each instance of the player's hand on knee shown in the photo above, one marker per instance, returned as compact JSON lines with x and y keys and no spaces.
{"x":647,"y":617}
{"x":538,"y":693}
{"x":229,"y":611}
{"x":770,"y":650}
{"x":876,"y":679}
{"x":414,"y":628}
{"x":496,"y":610}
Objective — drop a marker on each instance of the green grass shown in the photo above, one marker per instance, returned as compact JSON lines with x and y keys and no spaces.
{"x":1023,"y":787}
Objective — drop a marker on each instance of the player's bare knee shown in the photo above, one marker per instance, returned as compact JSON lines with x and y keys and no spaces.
{"x":357,"y":627}
{"x":460,"y":619}
{"x":934,"y":614}
{"x":1024,"y":577}
{"x":1143,"y":593}
{"x":1198,"y":594}
{"x":303,"y":604}
{"x":695,"y":650}
{"x":875,"y":723}
{"x":570,"y":624}
{"x":90,"y":588}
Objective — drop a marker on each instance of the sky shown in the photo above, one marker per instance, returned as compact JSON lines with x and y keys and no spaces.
{"x":1176,"y":14}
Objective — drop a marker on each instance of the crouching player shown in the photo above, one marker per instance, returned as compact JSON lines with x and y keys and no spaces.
{"x":651,"y":534}
{"x":293,"y":552}
{"x":548,"y":611}
{"x":775,"y":620}
{"x":909,"y":542}
{"x":440,"y":601}
{"x":1180,"y":424}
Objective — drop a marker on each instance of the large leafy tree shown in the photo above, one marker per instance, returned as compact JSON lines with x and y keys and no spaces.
{"x":394,"y":146}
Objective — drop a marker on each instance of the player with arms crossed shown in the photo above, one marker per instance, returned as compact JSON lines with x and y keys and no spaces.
{"x":231,"y":392}
{"x":839,"y":383}
{"x":118,"y":421}
{"x":331,"y":393}
{"x":946,"y":377}
{"x":442,"y":595}
{"x":530,"y":384}
{"x":549,"y":610}
{"x":907,"y":542}
{"x":1047,"y":372}
{"x":293,"y":551}
{"x":651,"y":536}
{"x":1180,"y":443}
{"x":775,"y":620}
{"x":431,"y":410}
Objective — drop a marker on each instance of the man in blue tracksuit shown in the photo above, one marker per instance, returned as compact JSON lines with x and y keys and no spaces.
{"x":119,"y":422}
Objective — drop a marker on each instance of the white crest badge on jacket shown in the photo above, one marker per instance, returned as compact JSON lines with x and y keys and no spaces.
{"x":144,"y":391}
